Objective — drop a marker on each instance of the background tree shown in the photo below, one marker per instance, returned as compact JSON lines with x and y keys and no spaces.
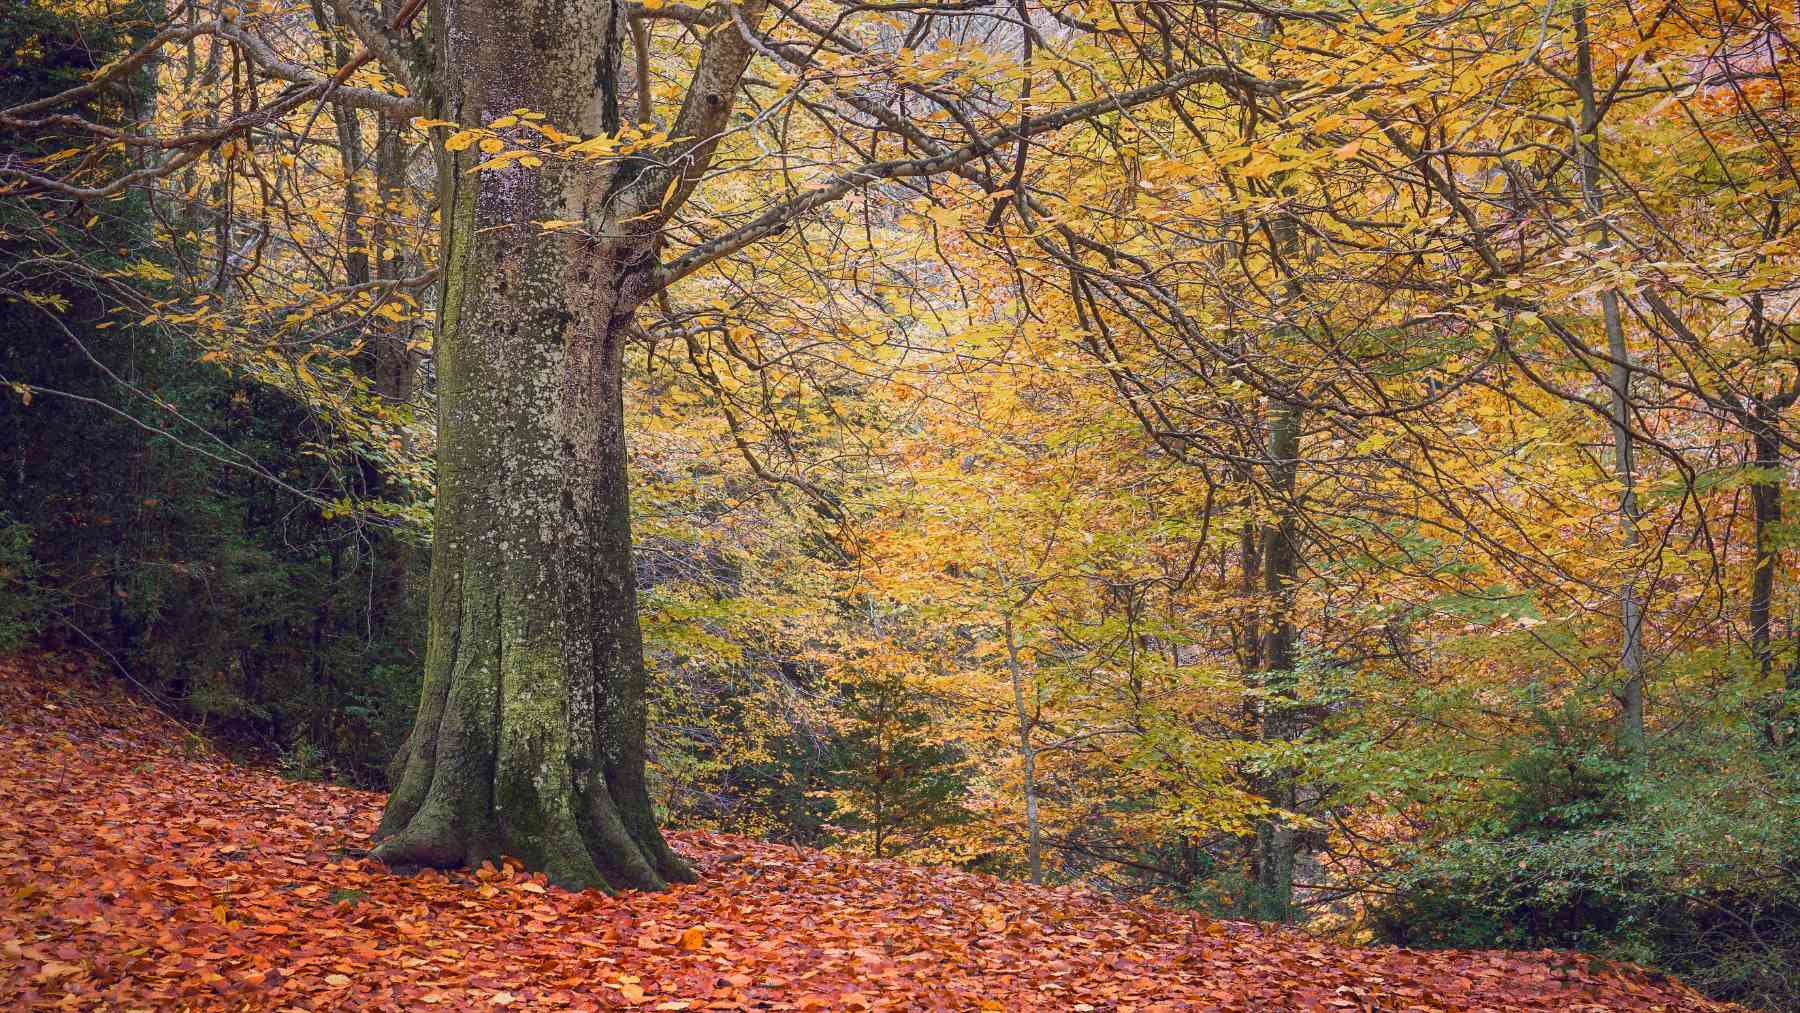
{"x":895,"y":783}
{"x":530,"y":734}
{"x":177,"y":516}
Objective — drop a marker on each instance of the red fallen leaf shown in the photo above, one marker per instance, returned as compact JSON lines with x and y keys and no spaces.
{"x":52,"y":971}
{"x":101,"y":799}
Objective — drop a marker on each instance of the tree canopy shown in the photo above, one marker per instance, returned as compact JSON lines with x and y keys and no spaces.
{"x":1316,"y":462}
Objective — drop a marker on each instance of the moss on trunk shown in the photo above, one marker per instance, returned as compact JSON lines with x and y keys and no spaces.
{"x":529,"y":739}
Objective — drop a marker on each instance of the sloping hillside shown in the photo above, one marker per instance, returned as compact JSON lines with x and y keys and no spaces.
{"x":139,"y":873}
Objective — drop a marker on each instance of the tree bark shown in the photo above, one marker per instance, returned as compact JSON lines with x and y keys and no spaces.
{"x":1027,"y":720}
{"x":1761,"y":416}
{"x":529,"y":740}
{"x":1631,"y":610}
{"x":1277,"y":842}
{"x":1765,"y":499}
{"x":1277,"y":839}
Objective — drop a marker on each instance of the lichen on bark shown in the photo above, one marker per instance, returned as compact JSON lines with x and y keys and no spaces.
{"x":529,"y":738}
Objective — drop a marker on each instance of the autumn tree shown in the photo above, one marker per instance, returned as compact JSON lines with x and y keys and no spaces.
{"x":1257,"y":429}
{"x":570,"y":196}
{"x":530,"y":738}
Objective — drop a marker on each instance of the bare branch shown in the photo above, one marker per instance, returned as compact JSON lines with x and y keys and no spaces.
{"x":778,"y":218}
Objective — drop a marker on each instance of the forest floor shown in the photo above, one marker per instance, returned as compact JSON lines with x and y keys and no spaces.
{"x":138,"y":870}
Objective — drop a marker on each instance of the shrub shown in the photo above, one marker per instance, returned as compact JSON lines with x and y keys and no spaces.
{"x":20,"y":605}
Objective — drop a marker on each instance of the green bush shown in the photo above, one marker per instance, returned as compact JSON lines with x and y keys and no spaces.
{"x":20,"y":606}
{"x":1690,"y":865}
{"x":303,"y":761}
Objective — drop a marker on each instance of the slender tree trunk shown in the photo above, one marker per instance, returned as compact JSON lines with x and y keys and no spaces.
{"x":1249,"y":584}
{"x":1631,"y":610}
{"x":1277,"y":842}
{"x":1034,"y":843}
{"x":529,"y":739}
{"x":1762,"y":417}
{"x":882,"y":774}
{"x":396,"y":368}
{"x":372,"y":255}
{"x":1765,"y":500}
{"x":393,"y":367}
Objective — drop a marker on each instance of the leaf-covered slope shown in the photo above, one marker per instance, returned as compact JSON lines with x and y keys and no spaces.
{"x":136,"y":875}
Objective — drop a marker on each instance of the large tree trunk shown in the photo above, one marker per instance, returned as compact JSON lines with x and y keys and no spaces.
{"x":529,"y":739}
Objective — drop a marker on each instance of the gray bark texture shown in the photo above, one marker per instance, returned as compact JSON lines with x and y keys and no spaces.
{"x":530,"y":735}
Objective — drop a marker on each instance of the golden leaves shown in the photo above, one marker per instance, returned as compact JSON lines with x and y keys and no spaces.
{"x":523,"y":139}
